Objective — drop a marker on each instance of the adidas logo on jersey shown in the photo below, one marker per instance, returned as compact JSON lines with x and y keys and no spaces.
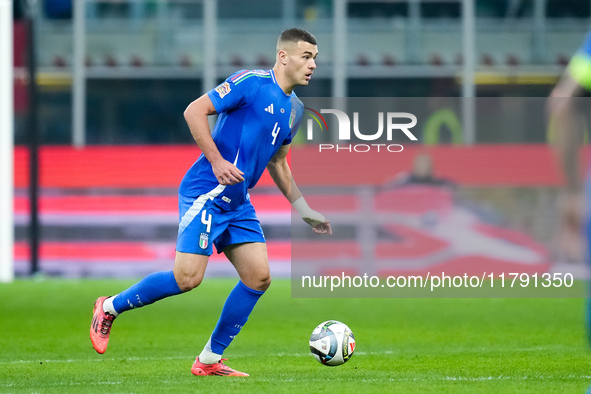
{"x":269,"y":109}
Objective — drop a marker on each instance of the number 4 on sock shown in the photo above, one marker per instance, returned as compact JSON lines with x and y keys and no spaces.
{"x":205,"y":219}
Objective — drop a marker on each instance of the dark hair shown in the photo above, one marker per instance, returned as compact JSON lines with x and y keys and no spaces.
{"x":295,"y":35}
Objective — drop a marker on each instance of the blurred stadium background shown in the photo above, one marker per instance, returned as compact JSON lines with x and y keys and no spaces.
{"x":114,"y":77}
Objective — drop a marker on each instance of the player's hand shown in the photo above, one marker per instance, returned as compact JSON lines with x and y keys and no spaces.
{"x":317,"y":221}
{"x":226,"y":173}
{"x":323,"y":228}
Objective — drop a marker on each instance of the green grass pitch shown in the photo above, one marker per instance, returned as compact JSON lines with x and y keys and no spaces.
{"x":403,"y":345}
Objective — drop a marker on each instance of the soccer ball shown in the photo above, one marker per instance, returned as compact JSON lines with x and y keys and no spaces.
{"x":332,"y":343}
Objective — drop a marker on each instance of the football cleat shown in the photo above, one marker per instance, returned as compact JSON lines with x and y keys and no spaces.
{"x":100,"y":327}
{"x":219,"y":369}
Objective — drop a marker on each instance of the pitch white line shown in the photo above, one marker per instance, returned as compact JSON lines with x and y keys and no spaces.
{"x":188,"y":357}
{"x":244,"y":355}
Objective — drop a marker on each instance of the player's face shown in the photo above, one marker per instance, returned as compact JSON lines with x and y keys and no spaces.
{"x":301,"y":63}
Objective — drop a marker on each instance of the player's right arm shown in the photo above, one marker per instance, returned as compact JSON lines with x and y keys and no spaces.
{"x":196,"y":116}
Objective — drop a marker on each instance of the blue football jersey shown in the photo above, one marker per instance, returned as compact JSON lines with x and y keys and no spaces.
{"x":255,"y":118}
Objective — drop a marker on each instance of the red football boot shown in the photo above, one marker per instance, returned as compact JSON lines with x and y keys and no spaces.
{"x":218,"y":369}
{"x":101,"y":326}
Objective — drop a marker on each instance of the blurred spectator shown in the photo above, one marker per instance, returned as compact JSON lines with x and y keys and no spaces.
{"x":422,"y":173}
{"x":444,"y":119}
{"x":567,"y":125}
{"x":566,"y":116}
{"x":442,"y":125}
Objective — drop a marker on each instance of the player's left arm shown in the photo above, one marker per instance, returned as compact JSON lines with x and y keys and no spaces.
{"x":281,"y":174}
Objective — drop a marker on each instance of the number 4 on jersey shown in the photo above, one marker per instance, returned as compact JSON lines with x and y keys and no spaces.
{"x":275,"y":132}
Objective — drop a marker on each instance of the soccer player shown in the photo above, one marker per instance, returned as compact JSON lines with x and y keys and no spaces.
{"x":259,"y":113}
{"x":566,"y":118}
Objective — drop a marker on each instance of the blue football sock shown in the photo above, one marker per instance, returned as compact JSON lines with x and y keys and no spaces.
{"x":152,"y":288}
{"x":237,"y":308}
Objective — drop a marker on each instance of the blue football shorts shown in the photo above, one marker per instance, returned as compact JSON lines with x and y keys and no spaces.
{"x":203,"y":223}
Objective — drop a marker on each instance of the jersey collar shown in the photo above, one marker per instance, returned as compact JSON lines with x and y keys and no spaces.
{"x":275,"y":82}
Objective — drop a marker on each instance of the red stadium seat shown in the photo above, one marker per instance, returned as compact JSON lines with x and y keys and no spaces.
{"x":388,"y":60}
{"x":237,"y":61}
{"x":110,"y":61}
{"x":487,"y":60}
{"x":185,"y":61}
{"x":411,"y":243}
{"x":562,"y":60}
{"x":59,"y":61}
{"x":304,"y":250}
{"x":363,"y":60}
{"x":137,"y":61}
{"x":263,"y":61}
{"x":436,"y":60}
{"x":513,"y":60}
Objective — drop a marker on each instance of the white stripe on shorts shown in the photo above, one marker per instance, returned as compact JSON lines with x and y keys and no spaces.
{"x":197,"y":205}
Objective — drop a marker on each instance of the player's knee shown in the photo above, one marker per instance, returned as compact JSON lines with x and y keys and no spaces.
{"x":189,"y":282}
{"x":263,"y":283}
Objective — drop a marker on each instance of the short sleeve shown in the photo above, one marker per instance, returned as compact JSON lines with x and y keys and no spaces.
{"x":233,"y":93}
{"x":293,"y":132}
{"x":295,"y":118}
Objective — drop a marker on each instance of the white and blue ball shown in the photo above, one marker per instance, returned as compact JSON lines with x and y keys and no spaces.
{"x":332,"y":343}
